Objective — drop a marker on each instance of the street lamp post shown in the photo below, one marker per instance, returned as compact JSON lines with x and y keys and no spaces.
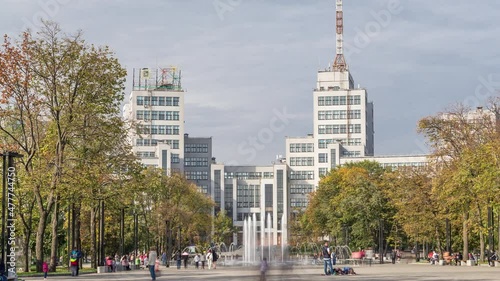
{"x":122,"y":231}
{"x":102,"y":261}
{"x":168,"y":240}
{"x":381,"y":242}
{"x":136,"y":233}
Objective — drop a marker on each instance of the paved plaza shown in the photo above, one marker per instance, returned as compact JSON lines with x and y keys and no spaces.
{"x":385,"y":272}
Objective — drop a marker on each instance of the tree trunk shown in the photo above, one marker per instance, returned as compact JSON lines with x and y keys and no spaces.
{"x":465,"y":234}
{"x":26,"y":248}
{"x":92,"y":238}
{"x":39,"y":240}
{"x":438,"y":239}
{"x":481,"y":245}
{"x":77,"y":210}
{"x":53,"y":248}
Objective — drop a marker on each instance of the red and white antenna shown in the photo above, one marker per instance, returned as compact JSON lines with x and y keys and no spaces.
{"x":339,"y":64}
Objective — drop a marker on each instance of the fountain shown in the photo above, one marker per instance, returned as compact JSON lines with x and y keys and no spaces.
{"x":255,"y":247}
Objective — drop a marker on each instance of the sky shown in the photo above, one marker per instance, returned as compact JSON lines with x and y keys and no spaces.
{"x":249,"y":66}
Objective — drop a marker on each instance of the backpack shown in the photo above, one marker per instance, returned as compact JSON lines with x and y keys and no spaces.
{"x":215,"y":256}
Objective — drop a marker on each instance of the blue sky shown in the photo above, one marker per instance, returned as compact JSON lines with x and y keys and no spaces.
{"x":244,"y":60}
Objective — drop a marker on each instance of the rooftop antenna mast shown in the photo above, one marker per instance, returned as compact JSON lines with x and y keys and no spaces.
{"x":339,"y":64}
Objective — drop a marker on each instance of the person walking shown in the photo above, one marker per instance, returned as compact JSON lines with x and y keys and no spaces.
{"x":152,"y":256}
{"x":45,"y":269}
{"x":197,"y":261}
{"x":178,"y":259}
{"x":263,"y":269}
{"x":209,"y":259}
{"x":74,"y":258}
{"x":326,"y":259}
{"x":215,"y":257}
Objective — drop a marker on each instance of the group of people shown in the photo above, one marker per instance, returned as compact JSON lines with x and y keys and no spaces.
{"x":210,"y":258}
{"x":330,"y":259}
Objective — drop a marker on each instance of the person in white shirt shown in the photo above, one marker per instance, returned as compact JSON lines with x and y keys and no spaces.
{"x":151,"y":262}
{"x":197,"y":261}
{"x":209,"y":259}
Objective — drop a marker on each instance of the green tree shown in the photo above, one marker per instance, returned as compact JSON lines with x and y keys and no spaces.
{"x":350,"y":199}
{"x":223,"y":228}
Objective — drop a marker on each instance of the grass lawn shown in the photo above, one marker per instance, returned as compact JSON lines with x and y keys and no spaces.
{"x":59,"y":271}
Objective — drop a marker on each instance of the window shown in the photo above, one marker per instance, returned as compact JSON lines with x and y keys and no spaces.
{"x":139,"y":114}
{"x":154,"y":101}
{"x":196,"y":148}
{"x":323,"y":157}
{"x":302,"y":175}
{"x":301,"y":188}
{"x":299,"y":202}
{"x":140,"y":100}
{"x":323,"y":171}
{"x":174,"y":158}
{"x":301,"y":147}
{"x":248,"y":196}
{"x":196,"y":175}
{"x":351,"y":153}
{"x":301,"y":161}
{"x":247,"y":175}
{"x":268,"y":175}
{"x":196,"y":162}
{"x":145,"y":154}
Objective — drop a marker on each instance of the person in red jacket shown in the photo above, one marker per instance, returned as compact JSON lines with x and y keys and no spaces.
{"x":45,"y":269}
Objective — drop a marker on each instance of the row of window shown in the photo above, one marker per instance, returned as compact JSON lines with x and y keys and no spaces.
{"x":323,"y":143}
{"x":157,"y":101}
{"x":299,"y":202}
{"x":339,"y":114}
{"x":248,"y":196}
{"x":301,"y":161}
{"x":351,"y":153}
{"x":339,"y":129}
{"x":174,"y":144}
{"x":203,"y":189}
{"x":339,"y":100}
{"x":302,"y":175}
{"x":411,"y":164}
{"x":145,"y":154}
{"x":196,"y":148}
{"x":157,"y":115}
{"x":301,"y":188}
{"x":196,"y":175}
{"x":301,"y":147}
{"x":196,"y":162}
{"x":159,"y":129}
{"x":248,"y":175}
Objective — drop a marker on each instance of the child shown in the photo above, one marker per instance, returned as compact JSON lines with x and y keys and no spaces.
{"x":45,"y":269}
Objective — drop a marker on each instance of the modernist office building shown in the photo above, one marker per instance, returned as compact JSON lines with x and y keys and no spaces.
{"x":343,"y":131}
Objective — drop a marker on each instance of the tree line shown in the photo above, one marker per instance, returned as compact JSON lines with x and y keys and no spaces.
{"x":450,"y":204}
{"x":60,"y":108}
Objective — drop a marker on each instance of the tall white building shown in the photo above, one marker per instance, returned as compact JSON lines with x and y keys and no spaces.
{"x":343,"y":131}
{"x":156,"y":105}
